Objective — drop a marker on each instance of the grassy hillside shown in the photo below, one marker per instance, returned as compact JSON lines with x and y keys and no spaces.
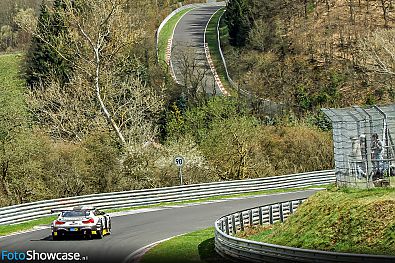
{"x":12,"y":100}
{"x":357,"y":221}
{"x":9,"y":74}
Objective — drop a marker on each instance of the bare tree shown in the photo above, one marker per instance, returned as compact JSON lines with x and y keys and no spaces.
{"x":100,"y":34}
{"x":378,"y":51}
{"x":385,"y":7}
{"x":195,"y":74}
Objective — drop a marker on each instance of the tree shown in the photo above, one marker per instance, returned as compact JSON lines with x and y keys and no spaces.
{"x":237,"y":20}
{"x":231,"y":146}
{"x":47,"y":56}
{"x":100,"y":34}
{"x":378,"y":51}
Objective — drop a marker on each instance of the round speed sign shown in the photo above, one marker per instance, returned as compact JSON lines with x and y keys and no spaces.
{"x":179,"y":161}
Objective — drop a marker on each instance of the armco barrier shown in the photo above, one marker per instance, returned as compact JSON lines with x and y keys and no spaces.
{"x":28,"y":211}
{"x":250,"y":251}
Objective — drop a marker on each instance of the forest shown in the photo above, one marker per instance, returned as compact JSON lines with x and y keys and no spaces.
{"x":86,"y":107}
{"x":313,"y":54}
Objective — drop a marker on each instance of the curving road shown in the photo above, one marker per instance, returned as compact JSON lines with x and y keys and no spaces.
{"x":188,"y":57}
{"x":132,"y":232}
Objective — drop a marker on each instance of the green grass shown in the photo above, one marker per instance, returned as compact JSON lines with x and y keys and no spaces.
{"x":212,"y":41}
{"x":343,"y":220}
{"x":167,"y":32}
{"x":11,"y":85}
{"x":8,"y":229}
{"x":196,"y":246}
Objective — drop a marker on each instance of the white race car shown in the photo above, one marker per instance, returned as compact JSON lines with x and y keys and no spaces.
{"x":86,"y":221}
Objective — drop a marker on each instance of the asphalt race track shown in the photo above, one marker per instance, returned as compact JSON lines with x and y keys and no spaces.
{"x":132,"y":232}
{"x":188,"y":42}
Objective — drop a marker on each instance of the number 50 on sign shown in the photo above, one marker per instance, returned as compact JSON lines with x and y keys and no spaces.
{"x":179,"y":161}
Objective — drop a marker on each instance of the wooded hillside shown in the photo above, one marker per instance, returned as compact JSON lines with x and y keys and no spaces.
{"x":86,"y":108}
{"x":313,"y":54}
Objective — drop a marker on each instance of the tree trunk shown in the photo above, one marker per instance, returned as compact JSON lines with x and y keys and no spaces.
{"x":3,"y":177}
{"x":99,"y":97}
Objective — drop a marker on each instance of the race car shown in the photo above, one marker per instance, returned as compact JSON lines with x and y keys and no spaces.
{"x":86,"y":221}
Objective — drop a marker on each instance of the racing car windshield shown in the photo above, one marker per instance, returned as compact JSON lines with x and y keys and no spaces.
{"x":75,"y":213}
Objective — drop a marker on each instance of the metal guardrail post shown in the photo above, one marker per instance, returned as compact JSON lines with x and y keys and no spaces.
{"x":291,"y":207}
{"x":234,"y":229}
{"x":260,"y":216}
{"x":270,"y":215}
{"x":241,"y":221}
{"x":250,"y":217}
{"x":281,"y":211}
{"x":227,"y":225}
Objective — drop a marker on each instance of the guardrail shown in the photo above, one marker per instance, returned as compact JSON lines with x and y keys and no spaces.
{"x":28,"y":211}
{"x":239,"y":249}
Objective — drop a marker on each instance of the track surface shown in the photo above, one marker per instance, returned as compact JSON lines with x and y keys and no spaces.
{"x":188,"y":45}
{"x":135,"y":231}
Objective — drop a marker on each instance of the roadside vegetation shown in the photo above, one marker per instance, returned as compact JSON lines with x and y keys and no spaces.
{"x":342,"y":220}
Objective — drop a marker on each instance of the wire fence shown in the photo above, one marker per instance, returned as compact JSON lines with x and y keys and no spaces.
{"x":364,"y":145}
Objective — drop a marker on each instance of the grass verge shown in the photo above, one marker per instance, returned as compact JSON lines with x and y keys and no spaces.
{"x":342,"y":220}
{"x":196,"y":246}
{"x":166,"y":34}
{"x":8,"y":229}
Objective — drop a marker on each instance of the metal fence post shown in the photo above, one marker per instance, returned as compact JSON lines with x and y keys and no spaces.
{"x":250,"y":217}
{"x":281,"y":212}
{"x":227,"y":225}
{"x":260,"y":216}
{"x":234,"y":224}
{"x":291,"y":207}
{"x":271,"y":214}
{"x":241,"y":221}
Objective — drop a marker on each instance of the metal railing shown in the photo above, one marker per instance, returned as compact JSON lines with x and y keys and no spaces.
{"x":239,"y":249}
{"x":28,"y":211}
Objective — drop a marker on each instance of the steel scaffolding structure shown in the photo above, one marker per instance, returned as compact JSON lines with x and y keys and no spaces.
{"x":363,"y":145}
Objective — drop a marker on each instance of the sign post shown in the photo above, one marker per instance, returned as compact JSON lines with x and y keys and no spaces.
{"x":179,"y":162}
